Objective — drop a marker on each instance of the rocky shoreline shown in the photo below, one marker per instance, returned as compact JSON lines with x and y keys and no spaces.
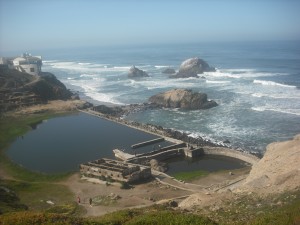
{"x":118,"y":114}
{"x":48,"y":88}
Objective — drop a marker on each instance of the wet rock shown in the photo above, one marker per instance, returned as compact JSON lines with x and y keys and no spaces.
{"x":169,"y":71}
{"x":182,"y":98}
{"x":159,"y":166}
{"x":192,"y":67}
{"x":135,"y":73}
{"x":173,"y":204}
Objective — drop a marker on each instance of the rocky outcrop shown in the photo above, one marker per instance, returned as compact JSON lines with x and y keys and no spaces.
{"x":19,"y":89}
{"x":135,"y":73}
{"x":158,"y":166}
{"x":169,"y":71}
{"x":278,"y":170}
{"x":48,"y":87}
{"x":192,"y":67}
{"x":182,"y":98}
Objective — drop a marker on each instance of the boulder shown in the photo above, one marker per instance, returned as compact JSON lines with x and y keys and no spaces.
{"x":169,"y":71}
{"x":182,"y":98}
{"x":192,"y":67}
{"x":158,"y":166}
{"x":135,"y":73}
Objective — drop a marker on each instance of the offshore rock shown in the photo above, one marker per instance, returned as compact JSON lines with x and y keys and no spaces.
{"x":135,"y":73}
{"x":192,"y":67}
{"x":169,"y":71}
{"x":182,"y":98}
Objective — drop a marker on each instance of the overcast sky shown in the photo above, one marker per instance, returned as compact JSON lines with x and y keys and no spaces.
{"x":41,"y":24}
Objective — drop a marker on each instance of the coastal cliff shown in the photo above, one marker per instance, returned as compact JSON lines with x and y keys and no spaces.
{"x":19,"y":89}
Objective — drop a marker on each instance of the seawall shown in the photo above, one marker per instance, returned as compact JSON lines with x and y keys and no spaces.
{"x":209,"y":150}
{"x":222,"y":151}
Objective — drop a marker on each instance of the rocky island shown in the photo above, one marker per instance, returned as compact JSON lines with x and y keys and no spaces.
{"x":182,"y":98}
{"x":136,"y":73}
{"x":169,"y":71}
{"x":192,"y":67}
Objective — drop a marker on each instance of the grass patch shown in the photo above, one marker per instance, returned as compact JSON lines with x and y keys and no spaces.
{"x":286,"y":215}
{"x":277,"y":209}
{"x":71,"y":209}
{"x":188,"y":176}
{"x":36,"y":194}
{"x":148,"y":216}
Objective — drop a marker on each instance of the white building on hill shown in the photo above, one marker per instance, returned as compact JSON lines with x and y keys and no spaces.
{"x":26,"y":63}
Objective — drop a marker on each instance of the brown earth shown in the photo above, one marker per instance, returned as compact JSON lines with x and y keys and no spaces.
{"x":278,"y":170}
{"x":55,"y":106}
{"x":140,"y":195}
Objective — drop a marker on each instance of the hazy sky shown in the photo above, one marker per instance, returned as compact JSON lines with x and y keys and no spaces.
{"x":34,"y":24}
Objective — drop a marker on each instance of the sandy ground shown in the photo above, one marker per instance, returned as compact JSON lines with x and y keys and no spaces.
{"x":140,"y":195}
{"x":57,"y":106}
{"x":152,"y":192}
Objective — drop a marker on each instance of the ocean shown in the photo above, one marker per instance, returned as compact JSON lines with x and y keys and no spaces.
{"x":256,"y":86}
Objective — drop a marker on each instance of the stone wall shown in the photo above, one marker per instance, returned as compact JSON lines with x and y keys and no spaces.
{"x":231,"y":153}
{"x":116,"y":170}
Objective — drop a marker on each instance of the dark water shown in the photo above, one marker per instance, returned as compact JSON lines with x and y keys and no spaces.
{"x":61,"y":144}
{"x":207,"y":163}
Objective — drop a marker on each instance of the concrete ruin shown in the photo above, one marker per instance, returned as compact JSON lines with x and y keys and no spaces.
{"x":116,"y":170}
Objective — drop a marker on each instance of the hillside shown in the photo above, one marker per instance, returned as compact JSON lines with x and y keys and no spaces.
{"x":278,"y":170}
{"x":19,"y":89}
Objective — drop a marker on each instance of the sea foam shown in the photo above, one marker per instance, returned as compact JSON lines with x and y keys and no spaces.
{"x":272,"y":83}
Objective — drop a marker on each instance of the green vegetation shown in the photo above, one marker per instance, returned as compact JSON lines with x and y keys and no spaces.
{"x":104,"y":200}
{"x":188,"y":176}
{"x":153,"y":215}
{"x":277,"y":209}
{"x":125,"y":185}
{"x":27,"y":189}
{"x":285,"y":216}
{"x":36,"y":196}
{"x":9,"y":200}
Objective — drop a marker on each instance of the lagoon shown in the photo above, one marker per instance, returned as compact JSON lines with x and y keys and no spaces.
{"x":60,"y":144}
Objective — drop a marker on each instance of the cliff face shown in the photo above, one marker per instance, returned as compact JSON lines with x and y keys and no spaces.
{"x":182,"y":98}
{"x":21,"y":89}
{"x":48,"y":88}
{"x":278,"y":170}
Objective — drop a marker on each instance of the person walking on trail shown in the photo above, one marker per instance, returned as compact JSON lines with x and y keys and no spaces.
{"x":91,"y":201}
{"x":78,"y":199}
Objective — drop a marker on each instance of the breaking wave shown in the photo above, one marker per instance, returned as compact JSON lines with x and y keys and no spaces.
{"x":286,"y":111}
{"x":272,"y":83}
